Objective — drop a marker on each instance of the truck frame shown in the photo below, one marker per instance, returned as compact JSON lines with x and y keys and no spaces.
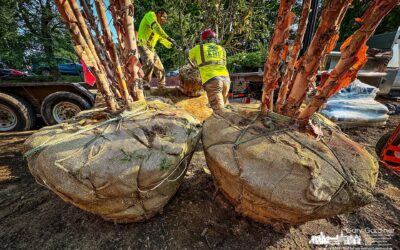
{"x":23,"y":104}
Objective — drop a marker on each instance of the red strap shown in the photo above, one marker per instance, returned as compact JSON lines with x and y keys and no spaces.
{"x":87,"y":75}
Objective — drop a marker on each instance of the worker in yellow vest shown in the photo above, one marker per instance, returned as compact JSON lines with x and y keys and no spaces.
{"x":211,"y":61}
{"x":150,"y":32}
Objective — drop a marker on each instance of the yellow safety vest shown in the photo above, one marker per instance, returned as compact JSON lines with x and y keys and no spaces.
{"x":150,"y":32}
{"x":211,"y":60}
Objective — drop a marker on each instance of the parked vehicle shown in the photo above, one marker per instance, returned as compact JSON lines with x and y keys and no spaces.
{"x":65,"y":66}
{"x":172,"y":73}
{"x":5,"y":71}
{"x":22,"y":103}
{"x":382,"y":69}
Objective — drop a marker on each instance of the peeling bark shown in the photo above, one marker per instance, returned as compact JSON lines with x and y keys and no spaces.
{"x":352,"y":58}
{"x":99,"y":45}
{"x":271,"y":66}
{"x":294,"y":54}
{"x":110,"y":46}
{"x":84,"y":53}
{"x":131,"y":63}
{"x":323,"y":40}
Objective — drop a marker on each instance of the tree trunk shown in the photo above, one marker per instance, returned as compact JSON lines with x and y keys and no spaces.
{"x":323,"y":40}
{"x":100,"y":47}
{"x":133,"y":71}
{"x":50,"y":58}
{"x":294,"y":54}
{"x":101,"y":12}
{"x":47,"y":40}
{"x":271,"y":66}
{"x":84,"y":52}
{"x":352,"y":58}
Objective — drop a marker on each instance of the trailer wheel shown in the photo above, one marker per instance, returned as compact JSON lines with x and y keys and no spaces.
{"x":61,"y":106}
{"x":16,"y":114}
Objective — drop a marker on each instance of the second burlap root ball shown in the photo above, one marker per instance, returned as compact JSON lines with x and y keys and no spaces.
{"x":271,"y":172}
{"x":124,"y":168}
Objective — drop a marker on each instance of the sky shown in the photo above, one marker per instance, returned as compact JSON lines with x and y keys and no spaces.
{"x":109,"y":17}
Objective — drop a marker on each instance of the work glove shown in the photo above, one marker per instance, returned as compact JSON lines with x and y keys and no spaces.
{"x":174,"y":44}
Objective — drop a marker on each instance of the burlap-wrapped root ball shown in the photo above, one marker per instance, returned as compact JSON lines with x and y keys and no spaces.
{"x":190,"y":81}
{"x":124,"y":168}
{"x":271,"y":172}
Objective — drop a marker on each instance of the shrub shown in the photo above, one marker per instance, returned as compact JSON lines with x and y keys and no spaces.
{"x":246,"y":61}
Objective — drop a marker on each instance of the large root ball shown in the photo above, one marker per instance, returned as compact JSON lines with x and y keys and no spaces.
{"x":271,"y":172}
{"x":190,"y":81}
{"x":123,"y":167}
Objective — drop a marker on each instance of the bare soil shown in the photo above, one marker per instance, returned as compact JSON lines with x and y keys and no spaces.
{"x":198,"y":217}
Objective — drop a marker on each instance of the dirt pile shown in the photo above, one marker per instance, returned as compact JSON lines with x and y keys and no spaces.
{"x":124,"y":168}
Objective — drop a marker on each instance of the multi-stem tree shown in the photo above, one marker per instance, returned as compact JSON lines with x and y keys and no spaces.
{"x":301,"y":72}
{"x":118,"y":73}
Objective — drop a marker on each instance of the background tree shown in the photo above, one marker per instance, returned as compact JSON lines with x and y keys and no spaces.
{"x":242,"y":26}
{"x":12,"y":42}
{"x":389,"y":24}
{"x":41,"y":21}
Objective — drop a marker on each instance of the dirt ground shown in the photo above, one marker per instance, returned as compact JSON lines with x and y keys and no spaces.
{"x":198,"y":217}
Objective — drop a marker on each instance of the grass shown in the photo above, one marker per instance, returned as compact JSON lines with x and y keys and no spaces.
{"x":189,"y":130}
{"x":165,"y":164}
{"x":130,"y":156}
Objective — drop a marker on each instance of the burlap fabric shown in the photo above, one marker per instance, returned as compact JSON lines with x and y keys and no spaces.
{"x":271,"y":172}
{"x":124,"y":168}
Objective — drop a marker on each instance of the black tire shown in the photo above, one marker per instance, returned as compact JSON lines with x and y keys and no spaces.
{"x":60,"y":106}
{"x":16,"y":114}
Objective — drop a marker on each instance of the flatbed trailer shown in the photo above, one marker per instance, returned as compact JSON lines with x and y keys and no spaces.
{"x":22,"y":104}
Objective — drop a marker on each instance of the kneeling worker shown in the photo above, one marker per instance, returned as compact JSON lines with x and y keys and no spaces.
{"x":211,"y":60}
{"x":150,"y":32}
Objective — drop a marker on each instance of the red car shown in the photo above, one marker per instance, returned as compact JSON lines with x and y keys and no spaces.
{"x":7,"y":72}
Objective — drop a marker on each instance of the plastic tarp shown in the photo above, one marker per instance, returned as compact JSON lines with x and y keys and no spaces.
{"x":356,"y":105}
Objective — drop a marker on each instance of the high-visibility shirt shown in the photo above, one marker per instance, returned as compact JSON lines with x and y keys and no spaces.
{"x":211,"y":60}
{"x":150,"y":32}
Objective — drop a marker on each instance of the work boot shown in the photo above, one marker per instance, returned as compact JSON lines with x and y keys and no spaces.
{"x":146,"y":86}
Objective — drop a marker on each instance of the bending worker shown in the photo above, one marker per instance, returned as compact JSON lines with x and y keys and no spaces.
{"x":211,"y":60}
{"x":150,"y":32}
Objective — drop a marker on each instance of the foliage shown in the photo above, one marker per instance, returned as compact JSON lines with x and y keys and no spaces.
{"x":246,"y":61}
{"x":389,"y":24}
{"x":242,"y":26}
{"x":33,"y":28}
{"x":12,"y":43}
